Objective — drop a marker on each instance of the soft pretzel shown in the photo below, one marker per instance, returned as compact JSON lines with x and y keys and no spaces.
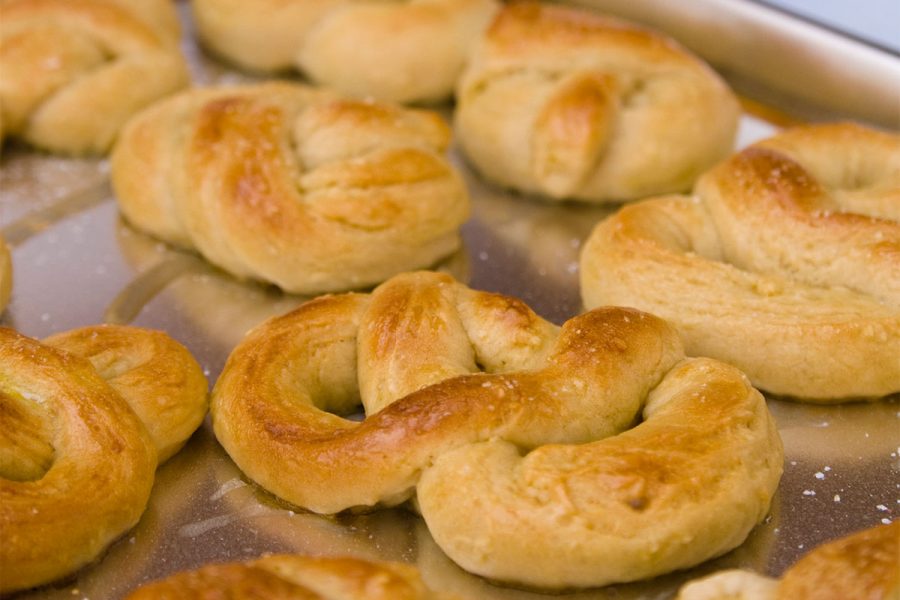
{"x":785,"y":263}
{"x":5,"y":274}
{"x":569,"y":104}
{"x":292,"y":185}
{"x":865,"y":564}
{"x":73,"y":71}
{"x":295,"y":577}
{"x":154,"y":374}
{"x":529,"y":472}
{"x":76,"y":458}
{"x":401,"y":51}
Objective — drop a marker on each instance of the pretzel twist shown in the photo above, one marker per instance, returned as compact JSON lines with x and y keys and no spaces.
{"x":73,"y":71}
{"x":785,"y":263}
{"x":590,"y":502}
{"x":294,"y":577}
{"x":413,"y":51}
{"x":569,"y":104}
{"x":865,"y":564}
{"x":76,"y":459}
{"x":291,"y":185}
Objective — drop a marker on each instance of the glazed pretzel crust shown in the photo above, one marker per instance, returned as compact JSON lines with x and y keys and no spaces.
{"x":411,"y":51}
{"x":785,"y":263}
{"x":73,"y":71}
{"x":536,"y":448}
{"x":291,"y":185}
{"x":76,"y":461}
{"x":569,"y":104}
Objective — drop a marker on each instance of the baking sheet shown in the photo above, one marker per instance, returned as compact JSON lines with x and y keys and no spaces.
{"x":77,"y":263}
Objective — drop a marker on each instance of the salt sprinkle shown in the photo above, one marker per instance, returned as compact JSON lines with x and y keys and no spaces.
{"x":886,"y":521}
{"x":837,"y":498}
{"x":826,"y":468}
{"x":820,"y":475}
{"x":881,"y":507}
{"x":809,"y":493}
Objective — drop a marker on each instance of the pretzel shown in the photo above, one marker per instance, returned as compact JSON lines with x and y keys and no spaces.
{"x":785,"y":263}
{"x":291,"y":185}
{"x":865,"y":564}
{"x":569,"y":104}
{"x":591,"y":502}
{"x":73,"y":71}
{"x":294,"y":577}
{"x":400,"y":51}
{"x":85,"y":418}
{"x":5,"y":274}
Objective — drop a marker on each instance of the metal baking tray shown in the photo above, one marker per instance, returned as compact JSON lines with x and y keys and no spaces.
{"x":77,"y":263}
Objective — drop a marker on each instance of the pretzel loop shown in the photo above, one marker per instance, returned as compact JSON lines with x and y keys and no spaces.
{"x":457,"y":384}
{"x":793,"y":243}
{"x":85,"y":417}
{"x":570,"y":104}
{"x":74,"y":72}
{"x":292,"y":185}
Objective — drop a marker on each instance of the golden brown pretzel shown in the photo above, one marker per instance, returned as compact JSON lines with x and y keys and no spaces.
{"x":294,"y":577}
{"x":569,"y":104}
{"x":5,"y":274}
{"x":865,"y":564}
{"x":73,"y":71}
{"x":410,"y":51}
{"x":157,"y":377}
{"x":76,"y":461}
{"x":292,"y":185}
{"x":592,"y":502}
{"x":785,"y":263}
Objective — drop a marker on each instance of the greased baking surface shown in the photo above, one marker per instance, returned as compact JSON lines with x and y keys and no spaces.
{"x":77,"y":263}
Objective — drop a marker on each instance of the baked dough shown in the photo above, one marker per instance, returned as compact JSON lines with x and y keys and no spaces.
{"x":401,"y":51}
{"x":76,"y":458}
{"x":291,"y":185}
{"x":785,"y":263}
{"x":72,"y":72}
{"x":569,"y":104}
{"x":530,"y":472}
{"x":294,"y":577}
{"x":154,"y":374}
{"x":5,"y":274}
{"x":865,"y":564}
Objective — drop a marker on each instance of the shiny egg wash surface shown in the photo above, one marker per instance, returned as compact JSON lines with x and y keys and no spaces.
{"x":77,"y":262}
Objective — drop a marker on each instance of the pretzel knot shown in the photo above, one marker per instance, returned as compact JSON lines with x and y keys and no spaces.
{"x":569,"y":104}
{"x":532,"y":471}
{"x":85,"y":417}
{"x":75,"y":70}
{"x":785,"y":263}
{"x":410,"y":51}
{"x":293,"y":185}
